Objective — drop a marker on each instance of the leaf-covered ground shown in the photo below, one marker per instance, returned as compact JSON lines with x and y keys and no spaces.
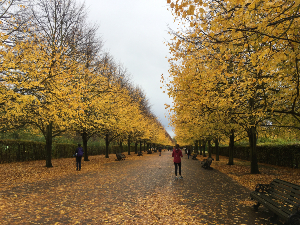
{"x":138,"y":190}
{"x":240,"y":172}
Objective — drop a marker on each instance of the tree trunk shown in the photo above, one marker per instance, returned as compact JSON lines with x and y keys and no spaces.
{"x":140,"y":146}
{"x":217,"y":149}
{"x":196,"y":147}
{"x":252,"y":141}
{"x":144,"y":145}
{"x":19,"y":153}
{"x":209,"y":148}
{"x":204,"y":148}
{"x":84,"y":142}
{"x":106,"y":146}
{"x":128,"y":144}
{"x":136,"y":147}
{"x":120,"y":147}
{"x":231,"y":148}
{"x":253,"y":154}
{"x":200,"y":143}
{"x":49,"y":145}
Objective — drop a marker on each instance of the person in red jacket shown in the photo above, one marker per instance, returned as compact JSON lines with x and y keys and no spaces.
{"x":177,"y":154}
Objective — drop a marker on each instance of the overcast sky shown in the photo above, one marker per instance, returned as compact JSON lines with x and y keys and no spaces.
{"x":134,"y":32}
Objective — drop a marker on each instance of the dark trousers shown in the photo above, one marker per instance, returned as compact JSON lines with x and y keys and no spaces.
{"x":78,"y":162}
{"x":177,"y":165}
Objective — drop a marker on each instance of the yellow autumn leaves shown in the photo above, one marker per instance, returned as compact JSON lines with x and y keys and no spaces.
{"x":236,"y":66}
{"x":58,"y":75}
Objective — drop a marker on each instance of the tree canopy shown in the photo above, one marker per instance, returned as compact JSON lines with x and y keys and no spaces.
{"x":234,"y":66}
{"x":57,"y":78}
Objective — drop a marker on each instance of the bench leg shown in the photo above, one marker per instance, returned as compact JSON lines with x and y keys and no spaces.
{"x":294,"y":219}
{"x":256,"y":206}
{"x":274,"y":218}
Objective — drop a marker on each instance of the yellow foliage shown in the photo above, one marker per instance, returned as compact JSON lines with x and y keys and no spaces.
{"x":239,"y":57}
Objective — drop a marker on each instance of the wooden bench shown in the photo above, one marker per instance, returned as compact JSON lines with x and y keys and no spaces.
{"x":194,"y":156}
{"x":149,"y":152}
{"x":140,"y":154}
{"x":207,"y":162}
{"x":280,"y":197}
{"x":120,"y":156}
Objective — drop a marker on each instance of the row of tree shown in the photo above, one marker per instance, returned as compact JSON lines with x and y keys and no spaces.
{"x":234,"y":69}
{"x":56,"y":77}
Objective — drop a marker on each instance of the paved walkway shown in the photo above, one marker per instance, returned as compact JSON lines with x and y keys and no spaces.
{"x":134,"y":191}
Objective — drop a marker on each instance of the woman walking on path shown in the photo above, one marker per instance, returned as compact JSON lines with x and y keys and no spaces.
{"x":78,"y":154}
{"x":177,"y":154}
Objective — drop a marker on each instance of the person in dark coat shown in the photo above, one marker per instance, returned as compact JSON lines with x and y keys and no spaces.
{"x":188,"y":152}
{"x":78,"y":153}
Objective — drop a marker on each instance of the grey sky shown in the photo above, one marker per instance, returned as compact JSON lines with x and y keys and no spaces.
{"x":134,"y":32}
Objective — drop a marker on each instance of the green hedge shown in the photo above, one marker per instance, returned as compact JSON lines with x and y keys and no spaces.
{"x":279,"y":155}
{"x":60,"y":150}
{"x":18,"y":151}
{"x":12,"y":151}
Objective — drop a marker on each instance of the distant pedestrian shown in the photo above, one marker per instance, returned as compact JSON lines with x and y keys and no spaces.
{"x":159,"y":150}
{"x":177,"y":154}
{"x":188,"y":153}
{"x":78,"y":153}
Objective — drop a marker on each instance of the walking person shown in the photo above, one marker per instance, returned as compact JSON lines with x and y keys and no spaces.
{"x":177,"y":154}
{"x":78,"y":153}
{"x":159,"y":149}
{"x":188,"y":153}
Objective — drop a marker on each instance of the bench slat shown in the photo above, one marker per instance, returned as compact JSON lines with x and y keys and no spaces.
{"x":284,"y":188}
{"x":282,"y":198}
{"x":283,"y":211}
{"x":285,"y":197}
{"x":295,"y":190}
{"x":295,"y":186}
{"x":287,"y":193}
{"x":270,"y":199}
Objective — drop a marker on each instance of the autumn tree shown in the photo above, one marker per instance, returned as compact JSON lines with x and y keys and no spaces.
{"x":10,"y":23}
{"x":40,"y":68}
{"x":55,"y":78}
{"x":242,"y":51}
{"x":13,"y":20}
{"x":91,"y":85}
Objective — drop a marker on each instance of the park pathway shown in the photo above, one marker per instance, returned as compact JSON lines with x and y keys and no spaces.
{"x":138,"y":190}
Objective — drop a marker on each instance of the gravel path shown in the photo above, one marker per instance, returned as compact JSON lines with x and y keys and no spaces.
{"x":138,"y":190}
